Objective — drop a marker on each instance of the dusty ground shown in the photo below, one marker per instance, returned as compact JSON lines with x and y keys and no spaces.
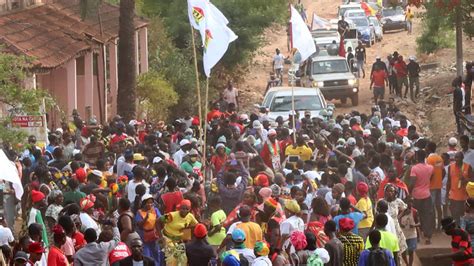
{"x":433,"y":111}
{"x":432,"y":115}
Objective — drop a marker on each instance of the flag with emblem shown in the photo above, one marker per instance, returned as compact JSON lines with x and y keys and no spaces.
{"x":212,"y":25}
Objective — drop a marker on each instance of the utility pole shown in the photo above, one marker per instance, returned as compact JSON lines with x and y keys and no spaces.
{"x":459,"y":60}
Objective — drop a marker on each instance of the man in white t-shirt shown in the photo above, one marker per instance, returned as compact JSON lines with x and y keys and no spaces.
{"x":6,"y":236}
{"x":278,"y":61}
{"x":231,"y":94}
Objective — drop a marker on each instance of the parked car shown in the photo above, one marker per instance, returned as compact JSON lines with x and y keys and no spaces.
{"x":342,"y":9}
{"x":366,"y":32}
{"x":375,"y":23}
{"x":332,"y":75}
{"x":354,"y":13}
{"x":278,"y":101}
{"x":393,"y":19}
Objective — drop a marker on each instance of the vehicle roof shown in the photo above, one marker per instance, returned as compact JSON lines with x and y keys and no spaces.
{"x":352,"y":4}
{"x":285,"y":91}
{"x":328,"y":57}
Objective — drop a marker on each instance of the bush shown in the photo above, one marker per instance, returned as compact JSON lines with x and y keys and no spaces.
{"x":155,"y":96}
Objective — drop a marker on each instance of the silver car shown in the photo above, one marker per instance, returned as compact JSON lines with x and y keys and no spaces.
{"x":278,"y":100}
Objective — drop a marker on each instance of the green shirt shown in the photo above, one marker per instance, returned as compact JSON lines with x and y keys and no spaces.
{"x":387,"y":241}
{"x":192,"y":168}
{"x":217,"y":218}
{"x":74,"y":196}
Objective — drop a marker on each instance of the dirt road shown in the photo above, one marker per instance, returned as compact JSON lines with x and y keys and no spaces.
{"x":254,"y":86}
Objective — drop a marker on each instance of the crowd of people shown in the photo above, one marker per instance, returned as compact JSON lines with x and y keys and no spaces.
{"x":354,"y":189}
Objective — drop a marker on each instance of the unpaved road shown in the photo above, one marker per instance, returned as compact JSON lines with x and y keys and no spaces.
{"x":253,"y":87}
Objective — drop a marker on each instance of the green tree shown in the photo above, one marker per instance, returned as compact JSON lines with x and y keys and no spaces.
{"x":155,"y":96}
{"x":439,"y":22}
{"x":15,"y":98}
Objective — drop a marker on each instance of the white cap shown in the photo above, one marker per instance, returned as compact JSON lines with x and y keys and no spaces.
{"x":188,"y":131}
{"x":146,"y":197}
{"x":220,"y":145}
{"x":452,"y":141}
{"x":97,"y":173}
{"x":184,"y":142}
{"x":133,"y":122}
{"x":256,"y":124}
{"x":351,"y":141}
{"x":272,"y":132}
{"x":157,"y":159}
{"x":345,"y":122}
{"x":244,"y":117}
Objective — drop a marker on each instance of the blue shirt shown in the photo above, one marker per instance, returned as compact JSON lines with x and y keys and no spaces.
{"x":355,"y":216}
{"x":364,"y":257}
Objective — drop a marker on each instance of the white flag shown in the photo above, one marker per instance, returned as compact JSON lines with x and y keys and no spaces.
{"x":217,"y":40}
{"x":301,"y":36}
{"x":10,"y":174}
{"x":215,"y":35}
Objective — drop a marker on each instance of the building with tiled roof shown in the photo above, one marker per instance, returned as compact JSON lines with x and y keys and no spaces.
{"x":75,"y":59}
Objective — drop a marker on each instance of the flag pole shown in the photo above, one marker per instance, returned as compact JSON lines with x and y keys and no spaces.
{"x":291,"y":83}
{"x":198,"y":88}
{"x":205,"y":124}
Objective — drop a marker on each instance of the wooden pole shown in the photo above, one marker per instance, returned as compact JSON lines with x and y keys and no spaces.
{"x":198,"y":88}
{"x":205,"y":126}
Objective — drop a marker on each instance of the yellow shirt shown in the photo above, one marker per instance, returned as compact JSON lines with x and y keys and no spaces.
{"x":175,"y":224}
{"x":253,"y":232}
{"x":304,"y":152}
{"x":365,"y":205}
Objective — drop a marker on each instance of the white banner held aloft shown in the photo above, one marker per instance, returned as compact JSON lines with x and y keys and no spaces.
{"x":10,"y":173}
{"x":301,"y":36}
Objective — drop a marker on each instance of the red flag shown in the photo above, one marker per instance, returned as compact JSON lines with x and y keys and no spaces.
{"x":342,"y":50}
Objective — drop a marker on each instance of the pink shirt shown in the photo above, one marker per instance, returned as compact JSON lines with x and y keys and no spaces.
{"x":422,"y":172}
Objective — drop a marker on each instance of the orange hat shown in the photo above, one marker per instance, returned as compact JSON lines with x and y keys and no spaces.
{"x":37,"y":196}
{"x":200,"y":231}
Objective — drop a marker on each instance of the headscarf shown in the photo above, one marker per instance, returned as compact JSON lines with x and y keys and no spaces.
{"x":271,"y":202}
{"x":37,"y":196}
{"x":346,"y":224}
{"x":292,"y":206}
{"x":276,"y":190}
{"x":261,"y":248}
{"x":86,"y":203}
{"x":200,"y":231}
{"x":362,"y":189}
{"x":58,"y":230}
{"x":55,"y":193}
{"x":298,"y":240}
{"x":265,"y":193}
{"x":339,"y":188}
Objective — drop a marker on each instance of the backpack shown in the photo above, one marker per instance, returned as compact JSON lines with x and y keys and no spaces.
{"x":378,"y":257}
{"x":314,"y":260}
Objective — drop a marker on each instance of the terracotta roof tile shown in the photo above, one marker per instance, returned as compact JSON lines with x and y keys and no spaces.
{"x":54,"y":33}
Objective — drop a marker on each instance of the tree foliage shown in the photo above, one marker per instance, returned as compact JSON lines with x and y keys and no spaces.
{"x":439,"y":22}
{"x":155,"y":96}
{"x":15,"y":98}
{"x":171,"y":46}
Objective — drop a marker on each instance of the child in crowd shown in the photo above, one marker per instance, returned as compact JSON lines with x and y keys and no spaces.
{"x":467,"y":221}
{"x":409,"y":222}
{"x":217,"y":232}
